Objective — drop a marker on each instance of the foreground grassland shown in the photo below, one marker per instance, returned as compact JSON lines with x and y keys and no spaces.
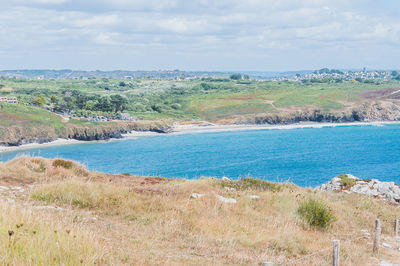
{"x":63,"y":214}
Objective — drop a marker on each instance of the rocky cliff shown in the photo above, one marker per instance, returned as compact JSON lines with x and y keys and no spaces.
{"x":364,"y":112}
{"x":18,"y":135}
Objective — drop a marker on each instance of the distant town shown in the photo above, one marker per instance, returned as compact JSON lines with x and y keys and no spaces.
{"x":322,"y":75}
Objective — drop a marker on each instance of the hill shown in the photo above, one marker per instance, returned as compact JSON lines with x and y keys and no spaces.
{"x":214,"y":99}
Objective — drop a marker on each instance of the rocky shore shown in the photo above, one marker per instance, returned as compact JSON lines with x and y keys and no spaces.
{"x":347,"y":183}
{"x":17,"y":135}
{"x":364,"y":112}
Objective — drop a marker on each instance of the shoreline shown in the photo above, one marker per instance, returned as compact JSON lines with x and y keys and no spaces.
{"x":194,"y":128}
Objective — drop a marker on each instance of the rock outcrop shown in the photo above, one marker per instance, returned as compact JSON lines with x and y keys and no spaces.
{"x":18,"y":135}
{"x":369,"y":187}
{"x":364,"y":112}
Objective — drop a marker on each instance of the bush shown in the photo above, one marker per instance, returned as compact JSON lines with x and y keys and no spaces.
{"x":40,"y":100}
{"x":176,"y":106}
{"x":62,"y":163}
{"x":316,"y":213}
{"x":346,"y":180}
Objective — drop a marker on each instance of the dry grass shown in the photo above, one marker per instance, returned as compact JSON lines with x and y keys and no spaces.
{"x":151,"y":221}
{"x":29,"y":239}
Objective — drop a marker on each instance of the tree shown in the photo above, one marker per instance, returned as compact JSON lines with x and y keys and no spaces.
{"x":104,"y":104}
{"x":119,"y":103}
{"x":53,"y":98}
{"x":206,"y":86}
{"x":157,"y":108}
{"x":40,"y":100}
{"x":324,"y":70}
{"x":90,"y":105}
{"x":246,"y":77}
{"x":236,"y":76}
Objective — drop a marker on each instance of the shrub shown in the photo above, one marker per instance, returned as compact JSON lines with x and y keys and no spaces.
{"x":316,"y":213}
{"x":62,"y":163}
{"x":346,"y":180}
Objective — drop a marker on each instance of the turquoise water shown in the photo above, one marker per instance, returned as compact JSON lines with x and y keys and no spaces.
{"x":307,"y":157}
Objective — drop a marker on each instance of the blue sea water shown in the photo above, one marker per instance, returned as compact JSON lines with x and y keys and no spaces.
{"x":304,"y":156}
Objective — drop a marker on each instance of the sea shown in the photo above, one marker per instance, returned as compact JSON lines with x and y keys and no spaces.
{"x":307,"y":157}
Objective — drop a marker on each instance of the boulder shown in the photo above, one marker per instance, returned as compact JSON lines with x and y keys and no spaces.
{"x":226,"y":200}
{"x":196,"y":196}
{"x":224,"y":178}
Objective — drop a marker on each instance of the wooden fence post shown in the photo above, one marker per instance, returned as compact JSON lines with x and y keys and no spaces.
{"x":396,"y":227}
{"x":336,"y":253}
{"x":377,"y":237}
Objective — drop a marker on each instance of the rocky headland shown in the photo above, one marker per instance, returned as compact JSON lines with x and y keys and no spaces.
{"x":20,"y":135}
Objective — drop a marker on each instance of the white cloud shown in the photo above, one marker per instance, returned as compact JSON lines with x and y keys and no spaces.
{"x":251,"y":32}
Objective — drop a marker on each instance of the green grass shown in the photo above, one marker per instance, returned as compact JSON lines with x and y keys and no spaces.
{"x":19,"y":114}
{"x":272,"y":97}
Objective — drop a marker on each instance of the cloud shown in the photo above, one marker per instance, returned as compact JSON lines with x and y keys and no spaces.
{"x":199,"y":34}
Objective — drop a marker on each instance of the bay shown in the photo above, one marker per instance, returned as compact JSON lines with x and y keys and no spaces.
{"x":304,"y":156}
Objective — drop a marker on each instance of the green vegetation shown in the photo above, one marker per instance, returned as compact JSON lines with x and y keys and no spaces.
{"x":316,"y":213}
{"x":346,"y":180}
{"x":208,"y":98}
{"x":27,"y":116}
{"x":40,"y":100}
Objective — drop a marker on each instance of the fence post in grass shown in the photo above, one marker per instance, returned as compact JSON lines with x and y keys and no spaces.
{"x":267,"y":263}
{"x":396,"y":227}
{"x":377,"y":237}
{"x":336,"y":253}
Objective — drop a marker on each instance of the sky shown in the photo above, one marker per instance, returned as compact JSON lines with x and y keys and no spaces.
{"x":219,"y":35}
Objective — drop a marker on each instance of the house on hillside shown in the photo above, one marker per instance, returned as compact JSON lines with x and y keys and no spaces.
{"x":8,"y":100}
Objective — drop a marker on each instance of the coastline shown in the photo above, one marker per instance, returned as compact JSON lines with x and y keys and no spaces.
{"x":195,"y":128}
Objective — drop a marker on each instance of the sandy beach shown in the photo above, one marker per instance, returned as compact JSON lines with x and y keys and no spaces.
{"x":37,"y":145}
{"x":194,"y":128}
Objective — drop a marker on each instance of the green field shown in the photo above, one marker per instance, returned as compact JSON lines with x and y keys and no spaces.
{"x":152,"y":99}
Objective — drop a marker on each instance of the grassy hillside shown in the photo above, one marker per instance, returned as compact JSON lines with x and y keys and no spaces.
{"x":121,"y":219}
{"x":20,"y":123}
{"x":274,"y":97}
{"x":209,"y":99}
{"x":25,"y":115}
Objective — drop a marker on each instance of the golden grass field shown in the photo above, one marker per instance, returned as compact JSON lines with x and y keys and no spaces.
{"x":58,"y":213}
